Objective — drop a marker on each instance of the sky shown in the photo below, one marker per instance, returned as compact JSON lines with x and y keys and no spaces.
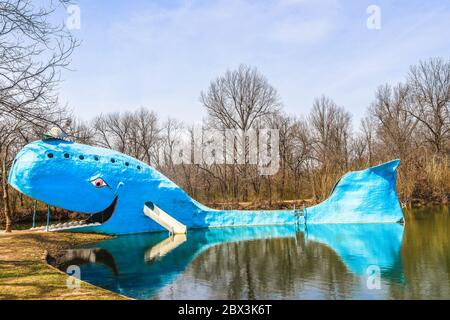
{"x":162,"y":54}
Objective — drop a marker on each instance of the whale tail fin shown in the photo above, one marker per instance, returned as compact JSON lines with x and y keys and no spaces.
{"x":366,"y":196}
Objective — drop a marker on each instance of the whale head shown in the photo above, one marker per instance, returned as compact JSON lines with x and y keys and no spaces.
{"x":72,"y":176}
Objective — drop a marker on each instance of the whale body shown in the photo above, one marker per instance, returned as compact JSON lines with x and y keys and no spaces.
{"x":112,"y":188}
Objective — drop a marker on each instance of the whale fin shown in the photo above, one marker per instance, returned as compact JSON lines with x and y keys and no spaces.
{"x":366,"y":196}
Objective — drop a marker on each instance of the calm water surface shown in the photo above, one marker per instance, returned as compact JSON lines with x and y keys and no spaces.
{"x":287,"y":262}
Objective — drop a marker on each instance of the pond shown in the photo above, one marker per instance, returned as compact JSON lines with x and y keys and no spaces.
{"x":365,"y":261}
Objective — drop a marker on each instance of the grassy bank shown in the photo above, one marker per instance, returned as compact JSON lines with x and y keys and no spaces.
{"x":25,"y":273}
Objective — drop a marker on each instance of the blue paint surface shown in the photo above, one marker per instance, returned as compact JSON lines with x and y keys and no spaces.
{"x":64,"y":174}
{"x":366,"y":196}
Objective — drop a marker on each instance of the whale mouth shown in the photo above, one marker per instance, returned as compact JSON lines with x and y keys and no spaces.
{"x":104,"y":215}
{"x":94,"y":219}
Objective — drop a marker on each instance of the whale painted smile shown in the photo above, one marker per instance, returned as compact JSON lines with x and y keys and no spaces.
{"x":112,"y":188}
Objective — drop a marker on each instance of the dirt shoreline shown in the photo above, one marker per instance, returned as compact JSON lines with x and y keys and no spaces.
{"x":26,"y":275}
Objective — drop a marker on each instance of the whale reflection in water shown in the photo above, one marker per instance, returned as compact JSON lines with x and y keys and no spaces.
{"x":363,"y":245}
{"x":81,"y":257}
{"x":146,"y":263}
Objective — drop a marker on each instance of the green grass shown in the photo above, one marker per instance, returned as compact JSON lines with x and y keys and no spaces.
{"x":25,"y":274}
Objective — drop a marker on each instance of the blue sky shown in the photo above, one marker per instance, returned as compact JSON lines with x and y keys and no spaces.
{"x":162,"y":54}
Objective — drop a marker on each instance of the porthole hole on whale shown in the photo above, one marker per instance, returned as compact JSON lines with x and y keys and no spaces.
{"x":96,"y":158}
{"x":81,"y":157}
{"x":66,"y":155}
{"x":113,"y":160}
{"x":49,"y":155}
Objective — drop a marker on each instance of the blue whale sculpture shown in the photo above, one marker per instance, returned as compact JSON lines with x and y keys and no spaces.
{"x":113,"y":189}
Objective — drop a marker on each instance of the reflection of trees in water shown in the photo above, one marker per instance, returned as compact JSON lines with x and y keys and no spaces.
{"x":426,"y":256}
{"x":273,"y":268}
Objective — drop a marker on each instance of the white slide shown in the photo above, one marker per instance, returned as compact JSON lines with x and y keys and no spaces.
{"x":163,"y":219}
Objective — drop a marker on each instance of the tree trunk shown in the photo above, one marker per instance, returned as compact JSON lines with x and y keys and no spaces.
{"x":283,"y":182}
{"x":6,"y":210}
{"x":313,"y":185}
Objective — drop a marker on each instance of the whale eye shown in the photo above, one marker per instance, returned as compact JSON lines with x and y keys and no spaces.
{"x":99,"y":183}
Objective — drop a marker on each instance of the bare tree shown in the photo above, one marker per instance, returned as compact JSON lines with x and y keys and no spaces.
{"x":358,"y":148}
{"x":283,"y":124}
{"x":368,"y":132}
{"x":12,"y":135}
{"x":148,"y":134}
{"x":240,"y":97}
{"x":330,"y":127}
{"x":429,"y":82}
{"x":394,"y":124}
{"x":78,"y":130}
{"x":171,"y":138}
{"x":112,"y":130}
{"x":299,"y":154}
{"x":32,"y":52}
{"x":135,"y":133}
{"x":239,"y":100}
